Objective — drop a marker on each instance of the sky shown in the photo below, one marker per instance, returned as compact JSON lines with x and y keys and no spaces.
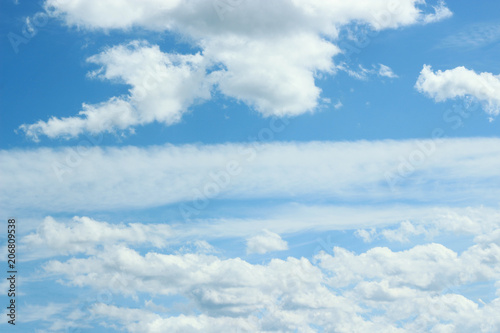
{"x":251,"y":166}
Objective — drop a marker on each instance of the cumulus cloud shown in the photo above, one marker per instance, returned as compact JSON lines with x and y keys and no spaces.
{"x":461,"y":82}
{"x":267,"y":241}
{"x":84,"y":235}
{"x":266,"y":54}
{"x":336,"y":292}
{"x":151,"y":322}
{"x":163,"y":86}
{"x":422,"y":288}
{"x":429,"y":267}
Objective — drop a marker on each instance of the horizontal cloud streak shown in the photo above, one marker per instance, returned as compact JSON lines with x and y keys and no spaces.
{"x":75,"y":179}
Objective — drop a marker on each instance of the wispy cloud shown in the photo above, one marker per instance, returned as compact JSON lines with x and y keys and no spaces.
{"x":116,"y":178}
{"x":473,"y":36}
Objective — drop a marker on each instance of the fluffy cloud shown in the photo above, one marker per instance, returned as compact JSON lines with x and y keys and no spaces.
{"x":421,"y":288}
{"x":163,"y":86}
{"x":201,"y":18}
{"x":266,"y":54}
{"x":86,"y":235}
{"x":410,"y":290}
{"x":431,"y":267}
{"x":83,"y":235}
{"x":461,"y":82}
{"x":83,"y":178}
{"x":267,"y":241}
{"x":151,"y":322}
{"x":479,"y":221}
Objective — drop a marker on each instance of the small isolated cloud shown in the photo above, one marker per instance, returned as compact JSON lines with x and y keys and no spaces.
{"x":461,"y":82}
{"x":362,"y":73}
{"x":386,"y":71}
{"x":441,"y":12}
{"x":267,"y":241}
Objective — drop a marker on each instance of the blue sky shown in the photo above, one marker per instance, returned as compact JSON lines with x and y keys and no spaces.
{"x":292,"y":166}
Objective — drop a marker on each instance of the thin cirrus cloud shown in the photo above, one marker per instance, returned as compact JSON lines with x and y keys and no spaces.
{"x":113,"y":178}
{"x":269,"y":52}
{"x":461,"y":82}
{"x":473,"y":36}
{"x":363,"y":73}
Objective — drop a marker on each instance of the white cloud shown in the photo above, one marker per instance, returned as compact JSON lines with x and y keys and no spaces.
{"x":408,"y":289}
{"x":62,"y":238}
{"x":252,"y":18}
{"x":268,"y":55}
{"x":480,"y":222}
{"x":441,"y":12}
{"x":163,"y":86}
{"x":461,"y":82}
{"x":83,"y":178}
{"x":386,"y":71}
{"x":267,"y":241}
{"x":430,"y":267}
{"x":83,"y":235}
{"x":363,"y":73}
{"x":405,"y":230}
{"x":137,"y":320}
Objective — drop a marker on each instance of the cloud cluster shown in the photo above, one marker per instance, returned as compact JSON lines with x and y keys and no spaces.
{"x":376,"y":291}
{"x":421,"y":288}
{"x":84,"y":235}
{"x":461,"y":82}
{"x":266,"y":54}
